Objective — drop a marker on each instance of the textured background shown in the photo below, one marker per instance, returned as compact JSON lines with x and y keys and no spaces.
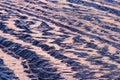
{"x":59,"y":39}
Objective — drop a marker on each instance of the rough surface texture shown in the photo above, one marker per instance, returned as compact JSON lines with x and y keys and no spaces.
{"x":59,"y":39}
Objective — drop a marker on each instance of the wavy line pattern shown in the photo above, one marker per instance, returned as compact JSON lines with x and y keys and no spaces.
{"x":59,"y":40}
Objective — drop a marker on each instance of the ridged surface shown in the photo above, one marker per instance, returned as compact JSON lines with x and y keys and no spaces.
{"x":59,"y":40}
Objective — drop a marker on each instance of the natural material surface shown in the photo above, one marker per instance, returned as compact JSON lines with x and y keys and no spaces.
{"x":59,"y":39}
